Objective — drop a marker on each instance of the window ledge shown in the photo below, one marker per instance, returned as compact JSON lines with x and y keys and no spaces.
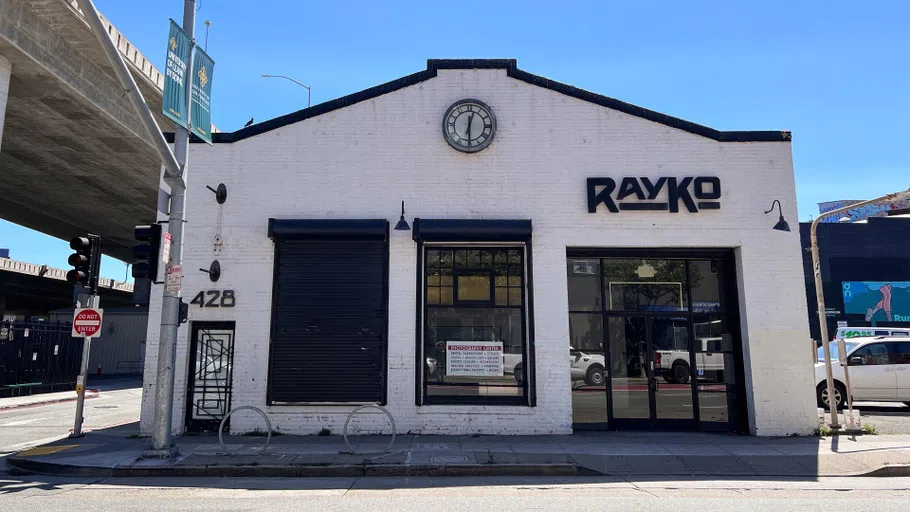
{"x":507,"y":410}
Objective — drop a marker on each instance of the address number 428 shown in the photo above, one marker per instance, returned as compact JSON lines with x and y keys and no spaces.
{"x":214,"y":299}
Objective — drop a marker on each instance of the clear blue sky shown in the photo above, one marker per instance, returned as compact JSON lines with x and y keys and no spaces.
{"x":835,"y":73}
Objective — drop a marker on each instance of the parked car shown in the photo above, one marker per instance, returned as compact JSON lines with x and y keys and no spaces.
{"x":879,"y":371}
{"x":587,"y":367}
{"x":674,"y":364}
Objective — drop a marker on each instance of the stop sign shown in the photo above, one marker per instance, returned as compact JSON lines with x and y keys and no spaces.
{"x":87,"y":322}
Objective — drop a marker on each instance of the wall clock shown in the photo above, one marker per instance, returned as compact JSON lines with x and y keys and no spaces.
{"x":469,"y":125}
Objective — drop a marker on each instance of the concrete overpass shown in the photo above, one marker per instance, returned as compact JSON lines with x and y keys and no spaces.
{"x":74,"y":157}
{"x":30,"y":290}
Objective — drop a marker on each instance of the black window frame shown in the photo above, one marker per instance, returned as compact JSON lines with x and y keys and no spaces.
{"x":528,"y":399}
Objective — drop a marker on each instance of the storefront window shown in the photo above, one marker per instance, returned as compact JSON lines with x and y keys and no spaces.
{"x":650,"y":285}
{"x":707,"y":288}
{"x":474,"y":326}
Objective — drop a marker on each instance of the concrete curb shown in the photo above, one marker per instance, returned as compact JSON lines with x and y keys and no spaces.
{"x":95,"y":394}
{"x":27,"y":466}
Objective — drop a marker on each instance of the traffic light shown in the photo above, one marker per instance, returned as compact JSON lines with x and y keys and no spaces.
{"x":86,"y":261}
{"x":146,"y":254}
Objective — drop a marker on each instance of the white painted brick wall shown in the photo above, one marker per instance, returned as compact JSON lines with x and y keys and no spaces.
{"x":363,"y":160}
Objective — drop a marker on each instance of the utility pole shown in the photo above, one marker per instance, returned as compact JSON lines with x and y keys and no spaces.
{"x":175,"y":171}
{"x":170,"y":304}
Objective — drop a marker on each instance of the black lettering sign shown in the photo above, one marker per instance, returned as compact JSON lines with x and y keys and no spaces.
{"x":706,"y":189}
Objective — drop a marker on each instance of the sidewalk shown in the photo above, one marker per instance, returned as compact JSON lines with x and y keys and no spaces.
{"x":18,"y":402}
{"x":115,"y":452}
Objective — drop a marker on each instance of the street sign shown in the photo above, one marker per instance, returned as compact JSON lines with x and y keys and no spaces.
{"x":174,"y":277}
{"x":201,"y":112}
{"x":87,"y":322}
{"x":166,"y":250}
{"x":179,"y":46}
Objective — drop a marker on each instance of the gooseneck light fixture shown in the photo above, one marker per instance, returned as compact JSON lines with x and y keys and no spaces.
{"x":781,"y":223}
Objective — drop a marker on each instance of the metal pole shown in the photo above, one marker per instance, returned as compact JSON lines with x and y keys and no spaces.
{"x":296,"y":82}
{"x":93,"y":301}
{"x":130,"y":87}
{"x":820,"y":300}
{"x":170,"y":304}
{"x":175,"y":169}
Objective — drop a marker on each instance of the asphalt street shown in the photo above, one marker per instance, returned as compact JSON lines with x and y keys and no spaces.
{"x":46,"y":494}
{"x":24,"y":427}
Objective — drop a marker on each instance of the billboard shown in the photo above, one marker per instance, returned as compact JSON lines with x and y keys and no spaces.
{"x":863,"y":212}
{"x":878,"y":300}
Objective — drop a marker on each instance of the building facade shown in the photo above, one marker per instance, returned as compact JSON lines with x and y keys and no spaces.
{"x":865,"y":273}
{"x":569,"y":262}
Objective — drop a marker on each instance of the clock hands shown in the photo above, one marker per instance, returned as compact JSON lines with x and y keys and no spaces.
{"x":470,"y":119}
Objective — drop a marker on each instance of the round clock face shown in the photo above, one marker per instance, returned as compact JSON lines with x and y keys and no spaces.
{"x":469,"y":126}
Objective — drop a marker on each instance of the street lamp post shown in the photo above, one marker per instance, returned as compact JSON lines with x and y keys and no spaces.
{"x":820,"y":301}
{"x":296,"y":82}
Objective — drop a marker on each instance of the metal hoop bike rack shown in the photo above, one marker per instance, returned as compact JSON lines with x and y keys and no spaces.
{"x":268,"y":427}
{"x":370,"y":406}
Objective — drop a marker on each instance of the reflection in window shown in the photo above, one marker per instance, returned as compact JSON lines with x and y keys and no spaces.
{"x":645,"y":285}
{"x":584,"y":284}
{"x":704,"y":277}
{"x":474,"y":337}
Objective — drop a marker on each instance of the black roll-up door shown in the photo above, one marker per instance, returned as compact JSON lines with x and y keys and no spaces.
{"x":329,"y":321}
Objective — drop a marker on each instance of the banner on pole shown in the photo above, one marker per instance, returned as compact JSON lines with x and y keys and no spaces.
{"x":201,"y":111}
{"x":179,"y":46}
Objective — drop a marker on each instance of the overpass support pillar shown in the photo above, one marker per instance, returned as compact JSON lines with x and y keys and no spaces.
{"x":6,"y":69}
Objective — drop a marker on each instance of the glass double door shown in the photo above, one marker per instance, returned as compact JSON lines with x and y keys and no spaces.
{"x":650,"y":374}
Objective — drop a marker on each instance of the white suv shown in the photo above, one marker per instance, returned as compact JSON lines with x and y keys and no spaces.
{"x":879,"y":371}
{"x":586,"y":367}
{"x":674,"y":364}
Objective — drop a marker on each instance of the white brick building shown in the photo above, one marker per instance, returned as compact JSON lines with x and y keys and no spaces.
{"x":506,"y":249}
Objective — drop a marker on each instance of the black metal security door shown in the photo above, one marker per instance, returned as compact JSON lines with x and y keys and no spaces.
{"x":329,"y":321}
{"x":209,"y":386}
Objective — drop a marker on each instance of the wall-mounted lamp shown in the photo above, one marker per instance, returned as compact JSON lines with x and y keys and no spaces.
{"x":781,"y":223}
{"x":220,"y":193}
{"x":402,"y":224}
{"x":214,"y":271}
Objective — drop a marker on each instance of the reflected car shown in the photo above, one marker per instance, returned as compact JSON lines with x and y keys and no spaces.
{"x":587,"y":367}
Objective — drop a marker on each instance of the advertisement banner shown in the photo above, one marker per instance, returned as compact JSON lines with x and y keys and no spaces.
{"x":878,"y":301}
{"x":474,"y":358}
{"x":201,"y":112}
{"x":173,"y":104}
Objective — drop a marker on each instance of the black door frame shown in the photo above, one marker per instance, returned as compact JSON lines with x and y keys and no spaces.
{"x":738,"y":420}
{"x":197,"y":425}
{"x":653,"y":422}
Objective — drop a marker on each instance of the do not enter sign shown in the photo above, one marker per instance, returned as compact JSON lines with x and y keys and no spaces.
{"x":86,"y":322}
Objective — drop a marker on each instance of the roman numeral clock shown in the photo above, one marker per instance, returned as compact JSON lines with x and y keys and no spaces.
{"x":469,"y":125}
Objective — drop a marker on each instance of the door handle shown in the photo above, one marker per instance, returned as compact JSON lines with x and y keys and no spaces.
{"x":891,"y":369}
{"x":901,"y":369}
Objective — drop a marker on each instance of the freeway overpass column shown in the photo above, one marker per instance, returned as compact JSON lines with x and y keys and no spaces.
{"x":5,"y":73}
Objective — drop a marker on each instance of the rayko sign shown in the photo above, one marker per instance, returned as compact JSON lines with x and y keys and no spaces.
{"x":663,"y":194}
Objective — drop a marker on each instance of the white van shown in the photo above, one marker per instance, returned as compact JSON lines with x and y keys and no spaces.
{"x":865,"y":332}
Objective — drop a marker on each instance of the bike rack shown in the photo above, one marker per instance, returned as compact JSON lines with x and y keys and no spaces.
{"x":369,"y":406}
{"x":268,"y":425}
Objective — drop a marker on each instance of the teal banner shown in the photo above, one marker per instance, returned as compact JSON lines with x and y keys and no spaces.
{"x":179,"y":46}
{"x":201,"y":111}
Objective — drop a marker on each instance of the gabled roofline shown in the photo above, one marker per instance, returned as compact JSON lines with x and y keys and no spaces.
{"x":511,"y":67}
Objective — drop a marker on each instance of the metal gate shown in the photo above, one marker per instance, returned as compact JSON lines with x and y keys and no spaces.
{"x":37,"y":357}
{"x":209,"y":387}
